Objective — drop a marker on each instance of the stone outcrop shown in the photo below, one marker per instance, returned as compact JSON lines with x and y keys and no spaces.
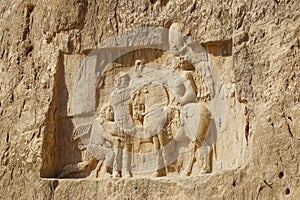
{"x":249,"y":86}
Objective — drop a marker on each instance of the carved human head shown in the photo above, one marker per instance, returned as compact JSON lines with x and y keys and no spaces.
{"x":122,"y":80}
{"x":107,"y":112}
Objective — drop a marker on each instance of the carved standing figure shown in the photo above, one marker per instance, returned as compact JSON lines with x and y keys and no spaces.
{"x":123,"y":146}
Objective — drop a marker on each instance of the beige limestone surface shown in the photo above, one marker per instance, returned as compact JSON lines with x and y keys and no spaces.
{"x":253,"y":53}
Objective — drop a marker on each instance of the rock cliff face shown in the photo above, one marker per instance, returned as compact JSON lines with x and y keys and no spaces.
{"x":254,"y":47}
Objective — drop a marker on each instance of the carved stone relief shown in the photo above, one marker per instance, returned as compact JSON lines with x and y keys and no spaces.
{"x":155,"y":114}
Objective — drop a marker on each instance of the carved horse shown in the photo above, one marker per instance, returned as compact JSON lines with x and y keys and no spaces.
{"x":151,"y":106}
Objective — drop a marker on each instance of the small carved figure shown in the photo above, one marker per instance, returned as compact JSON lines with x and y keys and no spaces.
{"x":138,"y":68}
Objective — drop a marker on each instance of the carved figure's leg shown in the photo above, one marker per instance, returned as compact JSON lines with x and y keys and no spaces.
{"x":127,"y":158}
{"x":104,"y":167}
{"x":95,"y":172}
{"x":117,"y":163}
{"x":109,"y":159}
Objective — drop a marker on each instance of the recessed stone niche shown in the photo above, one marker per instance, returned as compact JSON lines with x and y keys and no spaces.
{"x":134,"y":109}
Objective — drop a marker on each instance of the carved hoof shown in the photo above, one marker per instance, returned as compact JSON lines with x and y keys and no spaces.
{"x":116,"y":174}
{"x":205,"y":170}
{"x":92,"y":175}
{"x":107,"y":175}
{"x":186,"y":173}
{"x":126,"y":174}
{"x":61,"y":175}
{"x":155,"y":174}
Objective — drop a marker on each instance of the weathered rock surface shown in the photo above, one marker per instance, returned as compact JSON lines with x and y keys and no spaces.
{"x":254,"y":44}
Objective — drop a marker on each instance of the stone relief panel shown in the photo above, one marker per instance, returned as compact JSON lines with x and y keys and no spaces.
{"x":152,"y":109}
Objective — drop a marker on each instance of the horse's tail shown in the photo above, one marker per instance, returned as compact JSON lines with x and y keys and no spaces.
{"x":204,"y":124}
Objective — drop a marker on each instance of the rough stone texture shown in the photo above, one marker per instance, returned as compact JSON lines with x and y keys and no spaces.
{"x":38,"y":37}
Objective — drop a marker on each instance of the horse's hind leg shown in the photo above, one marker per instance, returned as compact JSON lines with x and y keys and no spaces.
{"x":192,"y":159}
{"x":156,"y":145}
{"x":208,"y":162}
{"x":200,"y":135}
{"x":167,"y":150}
